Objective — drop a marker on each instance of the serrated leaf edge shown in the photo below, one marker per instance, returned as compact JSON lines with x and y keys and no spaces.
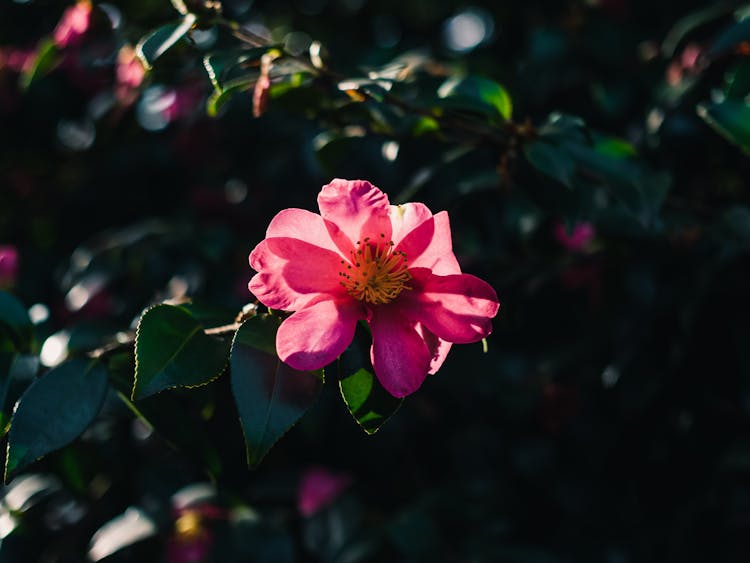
{"x":135,"y":354}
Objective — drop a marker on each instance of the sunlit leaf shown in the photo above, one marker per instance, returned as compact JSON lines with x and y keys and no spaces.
{"x":219,"y":66}
{"x":172,"y":350}
{"x":612,"y":146}
{"x":367,"y":401}
{"x":46,"y":59}
{"x":54,"y":411}
{"x":475,"y":93}
{"x":731,"y":119}
{"x":218,"y":99}
{"x":127,"y":529}
{"x":159,"y":41}
{"x":271,"y":397}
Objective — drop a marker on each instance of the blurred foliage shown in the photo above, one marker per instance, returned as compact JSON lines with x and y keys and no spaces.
{"x":142,"y":159}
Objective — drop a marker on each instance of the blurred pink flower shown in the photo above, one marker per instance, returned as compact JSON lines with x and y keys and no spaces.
{"x":192,"y":540}
{"x":130,"y":73}
{"x":17,"y":60}
{"x":8,"y":265}
{"x":179,"y":102}
{"x":690,"y":56}
{"x":364,"y":259}
{"x":318,"y":488}
{"x":689,"y":63}
{"x":577,"y":239}
{"x":73,"y":24}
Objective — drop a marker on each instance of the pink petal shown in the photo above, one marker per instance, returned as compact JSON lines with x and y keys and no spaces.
{"x":457,"y":308}
{"x":316,"y":335}
{"x":353,"y":210}
{"x":429,"y":245}
{"x":407,"y":217}
{"x":303,"y":225}
{"x":399,"y":355}
{"x":438,"y":347}
{"x":291,"y":272}
{"x":318,"y":488}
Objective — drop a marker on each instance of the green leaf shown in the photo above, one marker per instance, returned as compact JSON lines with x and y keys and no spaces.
{"x":690,"y":23}
{"x":614,"y":147}
{"x":159,"y":41}
{"x":552,"y":161}
{"x":737,"y":84}
{"x":217,"y":100}
{"x":53,"y":411}
{"x":13,"y":315}
{"x":367,"y":401}
{"x":220,"y":65}
{"x":46,"y":59}
{"x":271,"y":397}
{"x":172,"y":350}
{"x":731,"y":119}
{"x":733,"y":35}
{"x":16,"y":371}
{"x":475,"y":93}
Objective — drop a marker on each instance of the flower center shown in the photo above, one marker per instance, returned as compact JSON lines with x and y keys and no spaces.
{"x":375,"y":273}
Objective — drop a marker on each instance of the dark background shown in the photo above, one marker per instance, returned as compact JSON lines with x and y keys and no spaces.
{"x":608,"y":421}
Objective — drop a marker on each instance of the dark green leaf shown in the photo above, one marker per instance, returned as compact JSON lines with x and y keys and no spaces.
{"x":53,"y":411}
{"x":367,"y":401}
{"x":564,"y":127}
{"x":737,"y":85}
{"x":475,"y":93}
{"x":733,"y":35}
{"x":16,"y":372}
{"x":13,"y":315}
{"x":689,"y":23}
{"x":552,"y":161}
{"x":6,"y":361}
{"x":731,"y":119}
{"x":159,"y":41}
{"x":172,"y":350}
{"x":271,"y":397}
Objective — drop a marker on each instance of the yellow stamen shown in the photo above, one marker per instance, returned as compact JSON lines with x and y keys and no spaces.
{"x":375,"y":273}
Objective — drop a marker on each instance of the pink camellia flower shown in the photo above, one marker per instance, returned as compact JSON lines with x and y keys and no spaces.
{"x":318,"y":488}
{"x":577,"y":239}
{"x":364,"y":259}
{"x":8,"y":265}
{"x":73,"y":24}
